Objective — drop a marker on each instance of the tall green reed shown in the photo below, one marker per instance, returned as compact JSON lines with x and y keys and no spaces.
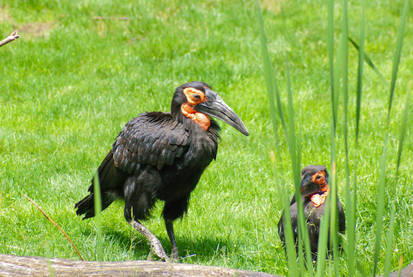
{"x":381,"y":183}
{"x":351,"y":198}
{"x":338,"y":86}
{"x":272,"y":90}
{"x":98,"y":221}
{"x":325,"y":221}
{"x":277,"y":111}
{"x":390,"y":234}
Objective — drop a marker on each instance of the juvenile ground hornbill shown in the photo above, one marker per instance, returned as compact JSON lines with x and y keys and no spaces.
{"x":162,"y":156}
{"x":314,"y":191}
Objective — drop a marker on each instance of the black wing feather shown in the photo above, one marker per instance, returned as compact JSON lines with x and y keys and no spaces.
{"x":150,"y":139}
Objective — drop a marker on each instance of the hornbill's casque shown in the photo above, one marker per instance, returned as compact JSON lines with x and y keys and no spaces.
{"x":314,"y":191}
{"x":162,"y":156}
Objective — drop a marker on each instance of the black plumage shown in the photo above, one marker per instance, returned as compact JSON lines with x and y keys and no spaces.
{"x":314,"y":190}
{"x":162,"y":156}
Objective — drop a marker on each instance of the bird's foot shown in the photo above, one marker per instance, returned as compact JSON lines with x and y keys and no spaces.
{"x":174,"y":255}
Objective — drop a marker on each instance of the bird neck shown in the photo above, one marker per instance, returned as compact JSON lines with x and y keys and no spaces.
{"x":199,"y":118}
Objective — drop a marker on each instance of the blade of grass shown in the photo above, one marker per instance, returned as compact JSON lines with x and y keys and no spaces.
{"x":397,"y":55}
{"x":289,"y":237}
{"x":361,"y":269}
{"x":380,"y":197}
{"x":323,"y":237}
{"x":295,"y":155}
{"x":268,"y":72}
{"x":301,"y":252}
{"x":98,"y":222}
{"x":380,"y":204}
{"x":271,"y":90}
{"x":366,"y":58}
{"x":389,"y":244}
{"x":344,"y":78}
{"x":291,"y":140}
{"x":296,"y":163}
{"x":288,"y":232}
{"x":294,"y":148}
{"x":402,"y":133}
{"x":333,"y":219}
{"x":330,"y":46}
{"x":399,"y":269}
{"x":351,"y":252}
{"x":390,"y":233}
{"x":351,"y":218}
{"x":322,"y":242}
{"x":342,"y":84}
{"x":360,"y":70}
{"x":352,"y":198}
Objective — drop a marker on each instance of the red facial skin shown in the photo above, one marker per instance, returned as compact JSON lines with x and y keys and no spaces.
{"x":194,"y":97}
{"x":320,"y":179}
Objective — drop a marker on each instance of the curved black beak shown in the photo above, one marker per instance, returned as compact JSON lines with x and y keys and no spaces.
{"x":309,"y":188}
{"x":216,"y":107}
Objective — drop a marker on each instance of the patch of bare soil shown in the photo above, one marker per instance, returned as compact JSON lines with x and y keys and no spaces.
{"x":273,"y":6}
{"x":35,"y":29}
{"x":4,"y":14}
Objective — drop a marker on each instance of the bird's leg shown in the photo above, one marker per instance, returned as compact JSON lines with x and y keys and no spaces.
{"x":170,"y":230}
{"x":156,"y":245}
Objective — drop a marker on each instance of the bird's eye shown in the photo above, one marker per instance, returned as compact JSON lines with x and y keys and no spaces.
{"x":318,"y":177}
{"x":196,"y":96}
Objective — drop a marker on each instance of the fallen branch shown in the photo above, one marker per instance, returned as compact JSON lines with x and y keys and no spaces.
{"x":38,"y":266}
{"x":55,"y":224}
{"x":10,"y":38}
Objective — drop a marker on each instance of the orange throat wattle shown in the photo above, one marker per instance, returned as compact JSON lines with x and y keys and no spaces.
{"x":200,"y":118}
{"x":318,"y":199}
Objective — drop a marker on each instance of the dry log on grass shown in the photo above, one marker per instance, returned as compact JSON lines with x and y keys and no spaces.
{"x":38,"y":266}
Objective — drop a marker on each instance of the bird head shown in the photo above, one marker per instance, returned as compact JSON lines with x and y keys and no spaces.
{"x":197,"y":101}
{"x":314,"y":184}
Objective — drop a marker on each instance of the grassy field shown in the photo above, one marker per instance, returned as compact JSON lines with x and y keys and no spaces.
{"x":71,"y":82}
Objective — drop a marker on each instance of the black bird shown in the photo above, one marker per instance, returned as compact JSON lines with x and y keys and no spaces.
{"x":162,"y":156}
{"x":314,"y":191}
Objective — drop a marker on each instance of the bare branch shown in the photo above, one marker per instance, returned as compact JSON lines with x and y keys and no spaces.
{"x":10,"y":38}
{"x":55,"y":224}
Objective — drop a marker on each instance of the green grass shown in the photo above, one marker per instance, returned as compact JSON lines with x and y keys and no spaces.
{"x":70,"y":83}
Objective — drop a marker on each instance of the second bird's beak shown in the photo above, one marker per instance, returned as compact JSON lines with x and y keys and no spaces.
{"x":216,"y":107}
{"x":309,"y":188}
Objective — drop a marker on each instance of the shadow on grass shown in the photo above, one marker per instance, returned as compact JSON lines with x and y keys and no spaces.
{"x":201,"y":249}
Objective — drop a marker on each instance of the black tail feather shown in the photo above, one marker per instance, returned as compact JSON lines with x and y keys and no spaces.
{"x":111,"y":182}
{"x":86,"y":206}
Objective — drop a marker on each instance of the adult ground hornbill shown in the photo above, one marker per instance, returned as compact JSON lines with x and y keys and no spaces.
{"x":314,"y":191}
{"x":162,"y":156}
